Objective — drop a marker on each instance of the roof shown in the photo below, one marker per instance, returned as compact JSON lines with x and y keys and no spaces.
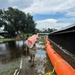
{"x":69,"y":28}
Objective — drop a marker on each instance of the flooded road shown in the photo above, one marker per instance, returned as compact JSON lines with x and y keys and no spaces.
{"x":11,"y":54}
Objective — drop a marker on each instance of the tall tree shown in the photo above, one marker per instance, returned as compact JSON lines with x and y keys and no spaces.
{"x":2,"y":22}
{"x":30,"y":23}
{"x":17,"y":21}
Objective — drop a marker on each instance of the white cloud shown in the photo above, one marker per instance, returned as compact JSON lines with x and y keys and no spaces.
{"x":50,"y":6}
{"x":40,"y":6}
{"x":11,"y":1}
{"x":15,"y":6}
{"x":70,"y":19}
{"x":72,"y":14}
{"x":50,"y":23}
{"x":20,"y":4}
{"x":45,"y":7}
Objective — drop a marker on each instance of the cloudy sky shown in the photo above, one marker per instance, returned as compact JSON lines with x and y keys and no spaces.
{"x":46,"y":13}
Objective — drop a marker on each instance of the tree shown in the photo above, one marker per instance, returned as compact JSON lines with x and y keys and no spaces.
{"x":1,"y":18}
{"x":37,"y":30}
{"x":30,"y":23}
{"x":49,"y":30}
{"x":17,"y":21}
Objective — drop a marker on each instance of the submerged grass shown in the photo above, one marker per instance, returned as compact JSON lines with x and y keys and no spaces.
{"x":7,"y":39}
{"x":49,"y":66}
{"x":9,"y":68}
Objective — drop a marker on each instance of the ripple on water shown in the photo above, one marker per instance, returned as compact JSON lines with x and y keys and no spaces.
{"x":40,"y":61}
{"x":39,"y":46}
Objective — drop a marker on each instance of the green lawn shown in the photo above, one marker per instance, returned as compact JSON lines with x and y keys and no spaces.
{"x":12,"y":39}
{"x":7,"y":39}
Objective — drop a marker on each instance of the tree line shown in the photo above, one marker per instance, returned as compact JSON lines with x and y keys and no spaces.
{"x":48,"y":30}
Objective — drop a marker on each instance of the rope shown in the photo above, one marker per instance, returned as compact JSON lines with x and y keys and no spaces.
{"x":51,"y":73}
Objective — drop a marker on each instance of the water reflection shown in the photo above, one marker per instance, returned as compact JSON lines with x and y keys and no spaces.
{"x":41,"y":52}
{"x":11,"y":50}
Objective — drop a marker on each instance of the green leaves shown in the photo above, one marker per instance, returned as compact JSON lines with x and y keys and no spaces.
{"x":16,"y":20}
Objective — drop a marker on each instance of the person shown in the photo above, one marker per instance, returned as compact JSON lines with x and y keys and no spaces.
{"x":32,"y":52}
{"x":31,"y":47}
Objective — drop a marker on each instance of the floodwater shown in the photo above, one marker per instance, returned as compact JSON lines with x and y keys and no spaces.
{"x":42,"y":63}
{"x":11,"y":54}
{"x":11,"y":50}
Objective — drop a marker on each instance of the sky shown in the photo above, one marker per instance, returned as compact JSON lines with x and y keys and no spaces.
{"x":46,"y":13}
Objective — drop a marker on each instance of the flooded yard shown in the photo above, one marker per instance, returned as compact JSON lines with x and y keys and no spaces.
{"x":11,"y":54}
